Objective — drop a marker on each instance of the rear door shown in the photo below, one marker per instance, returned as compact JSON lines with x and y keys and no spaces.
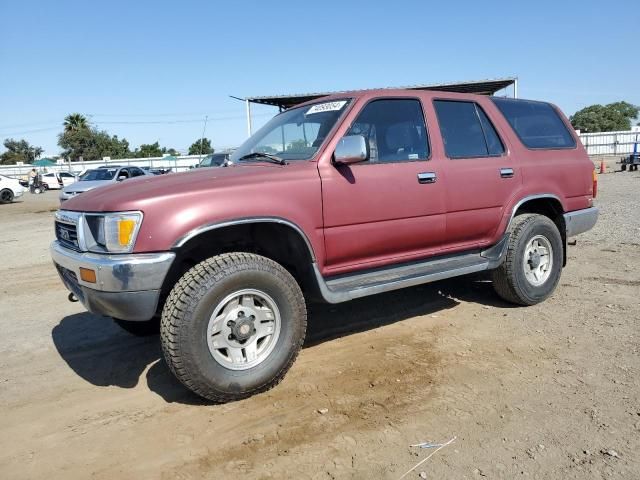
{"x":481,"y":175}
{"x":390,"y":207}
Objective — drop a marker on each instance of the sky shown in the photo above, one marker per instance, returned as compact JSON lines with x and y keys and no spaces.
{"x":152,"y":70}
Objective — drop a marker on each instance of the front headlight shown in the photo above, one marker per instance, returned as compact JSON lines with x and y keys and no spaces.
{"x":113,"y":232}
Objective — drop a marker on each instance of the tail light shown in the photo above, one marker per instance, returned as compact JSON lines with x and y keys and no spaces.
{"x":595,"y":183}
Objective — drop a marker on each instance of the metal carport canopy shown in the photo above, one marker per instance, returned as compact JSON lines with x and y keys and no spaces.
{"x":480,"y":87}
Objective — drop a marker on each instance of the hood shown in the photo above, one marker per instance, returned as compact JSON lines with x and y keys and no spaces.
{"x":83,"y":186}
{"x":145,"y":192}
{"x":176,"y":204}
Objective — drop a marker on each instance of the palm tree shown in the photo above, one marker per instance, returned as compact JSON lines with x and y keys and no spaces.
{"x":75,"y":122}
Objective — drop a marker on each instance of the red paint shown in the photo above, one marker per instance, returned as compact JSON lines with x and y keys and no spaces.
{"x":362,"y":215}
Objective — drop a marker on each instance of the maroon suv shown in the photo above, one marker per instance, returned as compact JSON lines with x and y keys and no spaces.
{"x":335,"y":199}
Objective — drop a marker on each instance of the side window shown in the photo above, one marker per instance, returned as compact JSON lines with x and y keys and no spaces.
{"x":394,"y":130}
{"x":537,"y":124}
{"x":135,"y":171}
{"x":466,"y":130}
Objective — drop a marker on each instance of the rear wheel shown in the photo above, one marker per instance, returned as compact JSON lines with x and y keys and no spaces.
{"x":6,"y":196}
{"x":233,"y":326}
{"x":533,"y":262}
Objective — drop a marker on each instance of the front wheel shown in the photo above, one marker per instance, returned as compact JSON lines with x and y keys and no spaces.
{"x":232,"y":326}
{"x":533,"y":263}
{"x":6,"y":196}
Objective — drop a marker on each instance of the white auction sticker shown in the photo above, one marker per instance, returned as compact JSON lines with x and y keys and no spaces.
{"x":326,"y":107}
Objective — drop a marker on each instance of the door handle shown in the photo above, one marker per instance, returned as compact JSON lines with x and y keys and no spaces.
{"x":506,"y":172}
{"x":427,"y":177}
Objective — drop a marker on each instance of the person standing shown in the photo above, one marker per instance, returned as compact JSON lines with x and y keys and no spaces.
{"x":33,"y":175}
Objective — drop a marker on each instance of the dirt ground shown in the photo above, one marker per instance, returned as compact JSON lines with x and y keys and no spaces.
{"x":549,"y":391}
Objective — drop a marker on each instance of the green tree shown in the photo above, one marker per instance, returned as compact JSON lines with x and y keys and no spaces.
{"x":91,"y":144}
{"x":170,"y":151}
{"x":201,"y":146}
{"x":19,"y":151}
{"x":605,"y":118}
{"x":147,"y":150}
{"x":75,"y":122}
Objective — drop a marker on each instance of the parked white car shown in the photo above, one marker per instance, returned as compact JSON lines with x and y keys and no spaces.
{"x":52,"y":180}
{"x":10,"y":189}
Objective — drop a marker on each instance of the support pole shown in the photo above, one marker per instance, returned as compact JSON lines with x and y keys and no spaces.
{"x":515,"y":88}
{"x":248,"y":104}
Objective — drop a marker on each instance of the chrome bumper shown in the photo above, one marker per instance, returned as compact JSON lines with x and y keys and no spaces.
{"x":580,"y":221}
{"x":127,"y":286}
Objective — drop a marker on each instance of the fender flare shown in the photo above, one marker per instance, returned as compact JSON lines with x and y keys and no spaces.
{"x":244,"y":221}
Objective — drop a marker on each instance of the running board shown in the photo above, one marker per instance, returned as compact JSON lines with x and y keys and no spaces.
{"x":348,"y":287}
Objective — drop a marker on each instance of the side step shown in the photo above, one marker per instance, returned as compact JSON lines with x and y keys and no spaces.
{"x":348,"y":287}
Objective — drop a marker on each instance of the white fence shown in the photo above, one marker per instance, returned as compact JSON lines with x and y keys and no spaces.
{"x":176,"y":164}
{"x":610,"y":143}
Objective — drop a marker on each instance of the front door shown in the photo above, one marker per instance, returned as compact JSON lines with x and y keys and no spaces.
{"x":389,"y":208}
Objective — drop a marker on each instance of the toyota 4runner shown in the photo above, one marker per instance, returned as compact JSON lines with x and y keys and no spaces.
{"x":339,"y":198}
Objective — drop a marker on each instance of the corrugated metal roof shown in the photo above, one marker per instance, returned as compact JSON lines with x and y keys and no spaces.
{"x":480,"y":87}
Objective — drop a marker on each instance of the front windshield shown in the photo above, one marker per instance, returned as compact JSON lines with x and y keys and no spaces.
{"x":99,"y":174}
{"x":295,"y":134}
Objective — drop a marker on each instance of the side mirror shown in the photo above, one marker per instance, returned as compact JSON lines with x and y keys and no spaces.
{"x":351,"y":149}
{"x":122,"y":177}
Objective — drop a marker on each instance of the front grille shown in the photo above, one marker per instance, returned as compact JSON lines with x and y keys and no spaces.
{"x":67,"y":235}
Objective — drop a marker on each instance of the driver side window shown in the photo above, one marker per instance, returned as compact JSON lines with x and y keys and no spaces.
{"x":394,"y":130}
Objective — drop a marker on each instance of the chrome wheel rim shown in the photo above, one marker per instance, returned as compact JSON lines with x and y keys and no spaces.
{"x":243,"y":329}
{"x":538,"y":260}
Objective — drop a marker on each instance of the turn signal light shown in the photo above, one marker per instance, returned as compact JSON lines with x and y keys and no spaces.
{"x":88,"y":275}
{"x":126,"y":227}
{"x":595,"y":183}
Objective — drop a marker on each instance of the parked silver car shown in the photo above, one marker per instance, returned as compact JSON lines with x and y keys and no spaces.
{"x":97,"y":178}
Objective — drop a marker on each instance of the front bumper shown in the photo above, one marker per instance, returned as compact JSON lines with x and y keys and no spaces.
{"x":580,"y":221}
{"x":126,"y":287}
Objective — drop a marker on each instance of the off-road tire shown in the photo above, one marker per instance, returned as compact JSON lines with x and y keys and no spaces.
{"x":509,"y":280}
{"x":6,"y":196}
{"x":140,"y":329}
{"x":192,"y":301}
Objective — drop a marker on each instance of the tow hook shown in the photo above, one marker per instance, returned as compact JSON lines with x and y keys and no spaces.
{"x":72,"y":298}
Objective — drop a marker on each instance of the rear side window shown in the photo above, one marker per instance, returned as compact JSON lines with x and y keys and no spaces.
{"x":466,"y":130}
{"x":537,"y":124}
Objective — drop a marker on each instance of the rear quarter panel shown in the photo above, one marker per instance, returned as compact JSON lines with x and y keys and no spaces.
{"x":562,"y":173}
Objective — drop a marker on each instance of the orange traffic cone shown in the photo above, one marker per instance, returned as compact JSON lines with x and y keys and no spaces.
{"x":603,"y":167}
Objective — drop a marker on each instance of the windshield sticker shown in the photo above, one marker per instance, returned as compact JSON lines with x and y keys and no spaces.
{"x":326,"y":107}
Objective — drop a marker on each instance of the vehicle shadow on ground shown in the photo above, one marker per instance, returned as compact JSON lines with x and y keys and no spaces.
{"x":97,"y":350}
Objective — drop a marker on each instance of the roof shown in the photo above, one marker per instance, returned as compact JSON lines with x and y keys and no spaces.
{"x":479,"y":87}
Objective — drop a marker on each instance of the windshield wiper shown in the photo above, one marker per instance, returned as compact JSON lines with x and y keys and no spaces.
{"x":266,"y":156}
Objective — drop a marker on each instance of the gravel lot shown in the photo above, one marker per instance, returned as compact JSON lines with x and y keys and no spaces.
{"x":549,"y":391}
